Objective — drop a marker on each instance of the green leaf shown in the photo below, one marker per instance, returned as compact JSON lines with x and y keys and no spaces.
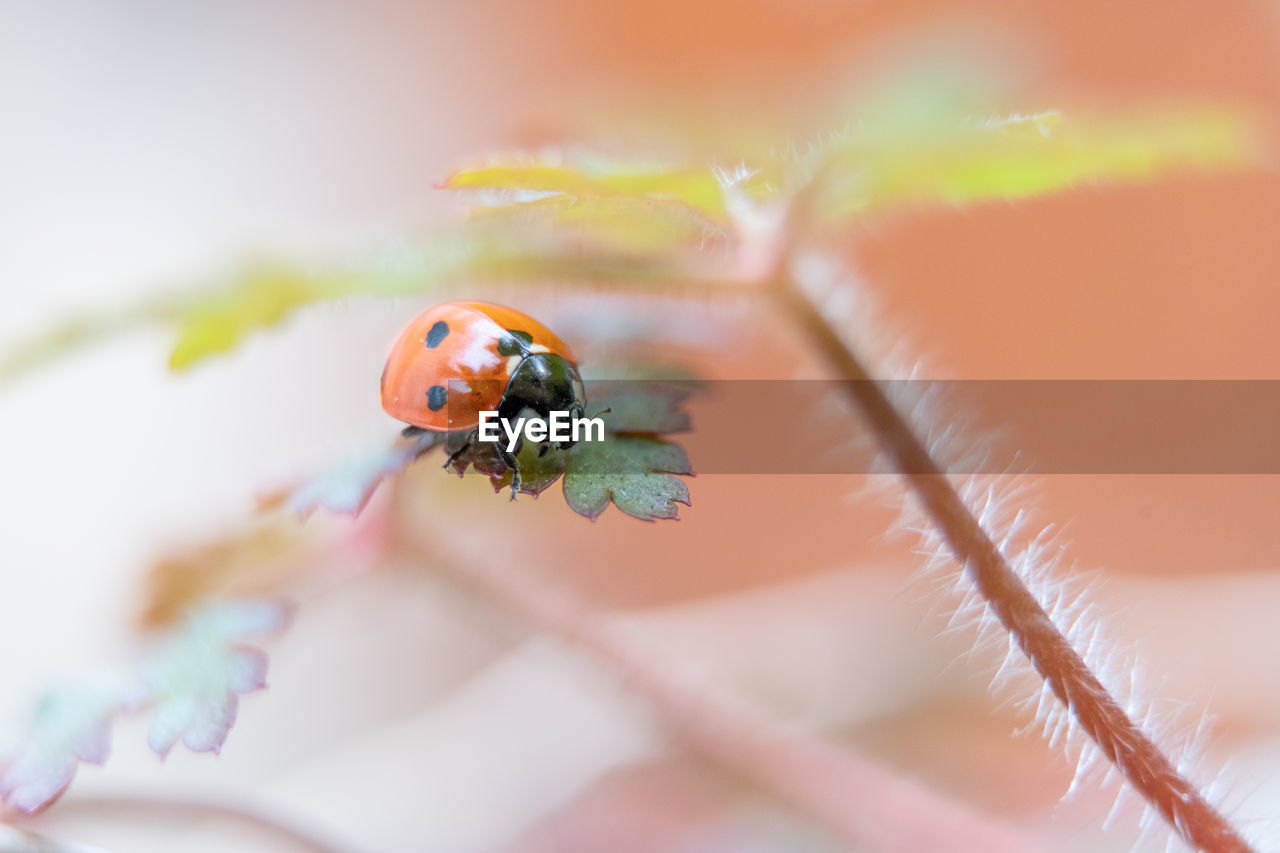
{"x":632,"y":472}
{"x":216,"y":320}
{"x":1024,"y":156}
{"x":605,"y":205}
{"x":623,"y":224}
{"x":632,"y":468}
{"x":698,"y":188}
{"x":594,"y":220}
{"x":218,"y":317}
{"x":69,"y":335}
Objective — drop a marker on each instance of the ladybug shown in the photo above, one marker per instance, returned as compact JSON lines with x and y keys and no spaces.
{"x":459,"y":359}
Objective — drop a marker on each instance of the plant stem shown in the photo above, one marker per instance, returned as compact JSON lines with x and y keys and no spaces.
{"x":866,"y":804}
{"x":1123,"y":742}
{"x":17,"y":840}
{"x":159,"y":808}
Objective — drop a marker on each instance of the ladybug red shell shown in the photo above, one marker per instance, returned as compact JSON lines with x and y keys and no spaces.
{"x":456,"y":360}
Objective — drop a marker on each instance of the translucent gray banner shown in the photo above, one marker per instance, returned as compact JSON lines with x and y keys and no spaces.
{"x":1033,"y":426}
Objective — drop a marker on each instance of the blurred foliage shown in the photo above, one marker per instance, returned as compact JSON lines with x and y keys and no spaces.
{"x":189,"y":677}
{"x":600,"y":179}
{"x":193,"y":680}
{"x":576,"y":215}
{"x":1023,"y":156}
{"x":70,"y":725}
{"x":252,"y":563}
{"x":636,"y":224}
{"x":215,"y":321}
{"x":349,"y":484}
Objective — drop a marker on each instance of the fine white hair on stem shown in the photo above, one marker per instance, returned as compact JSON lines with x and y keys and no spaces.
{"x":1094,"y":710}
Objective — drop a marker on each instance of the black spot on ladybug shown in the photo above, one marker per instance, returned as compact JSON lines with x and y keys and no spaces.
{"x":437,"y":395}
{"x":437,"y":334}
{"x":515,"y":342}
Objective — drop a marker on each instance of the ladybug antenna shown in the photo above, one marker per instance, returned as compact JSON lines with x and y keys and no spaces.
{"x":604,"y":411}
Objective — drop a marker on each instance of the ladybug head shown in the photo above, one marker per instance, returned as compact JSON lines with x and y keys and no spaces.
{"x":545,"y":383}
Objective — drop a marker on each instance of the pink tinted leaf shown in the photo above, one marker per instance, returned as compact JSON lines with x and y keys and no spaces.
{"x":208,"y":727}
{"x":348,"y":486}
{"x":34,"y":780}
{"x":167,"y":726}
{"x":200,"y":721}
{"x":70,"y":726}
{"x":247,"y":670}
{"x":193,"y":679}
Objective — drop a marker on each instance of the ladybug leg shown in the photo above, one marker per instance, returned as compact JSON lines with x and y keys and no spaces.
{"x":455,"y":455}
{"x":510,"y":459}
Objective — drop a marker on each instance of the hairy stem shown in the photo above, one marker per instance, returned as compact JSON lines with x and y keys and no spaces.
{"x":862,"y":802}
{"x":1124,"y":743}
